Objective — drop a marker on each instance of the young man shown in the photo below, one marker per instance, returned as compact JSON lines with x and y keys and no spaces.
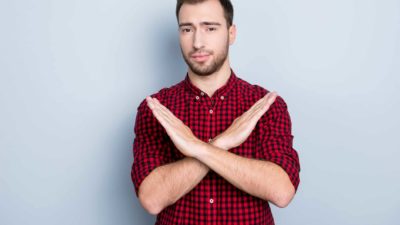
{"x":212,"y":149}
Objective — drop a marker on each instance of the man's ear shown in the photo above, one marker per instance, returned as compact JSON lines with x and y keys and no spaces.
{"x":232,"y":34}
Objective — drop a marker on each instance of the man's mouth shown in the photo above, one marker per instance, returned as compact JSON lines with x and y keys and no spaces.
{"x":200,"y":57}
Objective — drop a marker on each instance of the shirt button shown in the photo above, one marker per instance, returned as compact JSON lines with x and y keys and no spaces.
{"x":222,"y":97}
{"x":211,"y":200}
{"x":197,"y":97}
{"x":211,"y":111}
{"x":202,"y":93}
{"x":209,"y":140}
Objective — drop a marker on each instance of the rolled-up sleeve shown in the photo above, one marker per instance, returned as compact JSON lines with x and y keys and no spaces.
{"x":276,"y":140}
{"x":150,"y":148}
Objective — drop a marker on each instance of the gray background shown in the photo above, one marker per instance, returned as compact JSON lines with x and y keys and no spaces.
{"x":72,"y":74}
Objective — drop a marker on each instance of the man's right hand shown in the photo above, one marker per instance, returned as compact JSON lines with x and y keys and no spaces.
{"x":242,"y":126}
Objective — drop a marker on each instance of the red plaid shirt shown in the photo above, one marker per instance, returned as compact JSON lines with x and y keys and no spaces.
{"x":214,"y":200}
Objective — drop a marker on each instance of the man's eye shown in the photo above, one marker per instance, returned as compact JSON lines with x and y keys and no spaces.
{"x":211,"y":29}
{"x":184,"y":30}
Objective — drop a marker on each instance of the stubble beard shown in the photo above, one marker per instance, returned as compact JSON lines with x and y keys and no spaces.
{"x":206,"y":70}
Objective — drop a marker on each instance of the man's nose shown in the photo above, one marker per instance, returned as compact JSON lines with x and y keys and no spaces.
{"x":198,"y":41}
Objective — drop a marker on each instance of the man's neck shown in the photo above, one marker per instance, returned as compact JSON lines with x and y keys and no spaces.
{"x":209,"y":84}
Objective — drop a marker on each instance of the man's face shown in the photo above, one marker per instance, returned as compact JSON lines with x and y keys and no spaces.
{"x":204,"y":36}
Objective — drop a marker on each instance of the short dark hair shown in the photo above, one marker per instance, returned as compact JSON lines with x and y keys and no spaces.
{"x":226,"y":5}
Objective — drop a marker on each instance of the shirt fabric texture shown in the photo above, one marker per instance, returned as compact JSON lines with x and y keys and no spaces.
{"x":214,"y":200}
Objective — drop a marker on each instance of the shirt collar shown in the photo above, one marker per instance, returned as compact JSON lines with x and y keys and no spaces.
{"x":223,"y":90}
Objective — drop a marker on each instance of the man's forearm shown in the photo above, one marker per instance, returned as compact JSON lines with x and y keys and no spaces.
{"x":168,"y":183}
{"x":259,"y":178}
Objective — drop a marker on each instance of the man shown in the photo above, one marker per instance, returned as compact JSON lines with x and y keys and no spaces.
{"x":212,"y":149}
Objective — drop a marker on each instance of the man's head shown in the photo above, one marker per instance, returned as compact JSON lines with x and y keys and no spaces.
{"x":205,"y":32}
{"x":226,"y":4}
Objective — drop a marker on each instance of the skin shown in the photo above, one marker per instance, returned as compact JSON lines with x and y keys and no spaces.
{"x":202,"y":30}
{"x":168,"y":183}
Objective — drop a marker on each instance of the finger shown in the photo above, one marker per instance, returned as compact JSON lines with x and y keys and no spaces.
{"x":255,"y":106}
{"x":265,"y":105}
{"x":160,"y":118}
{"x":259,"y":104}
{"x":168,"y":112}
{"x":162,"y":110}
{"x":150,"y":103}
{"x":158,"y":113}
{"x":272,"y":99}
{"x":269,"y":101}
{"x":262,"y":101}
{"x":171,"y":120}
{"x":163,"y":107}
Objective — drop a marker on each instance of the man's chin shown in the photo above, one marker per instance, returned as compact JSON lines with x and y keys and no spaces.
{"x":202,"y":71}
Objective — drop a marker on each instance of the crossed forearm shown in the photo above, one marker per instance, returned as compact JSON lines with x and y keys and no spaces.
{"x":263,"y":179}
{"x":168,"y":183}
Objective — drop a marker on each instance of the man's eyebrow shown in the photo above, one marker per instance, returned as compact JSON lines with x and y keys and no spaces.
{"x":210,"y":23}
{"x":185,"y":24}
{"x":202,"y":23}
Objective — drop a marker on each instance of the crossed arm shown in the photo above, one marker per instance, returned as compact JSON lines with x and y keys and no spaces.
{"x":168,"y":183}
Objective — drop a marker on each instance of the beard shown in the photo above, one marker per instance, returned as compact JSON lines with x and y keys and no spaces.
{"x":203,"y":69}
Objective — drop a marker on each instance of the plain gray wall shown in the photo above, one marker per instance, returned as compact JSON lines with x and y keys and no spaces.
{"x":72,"y":74}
